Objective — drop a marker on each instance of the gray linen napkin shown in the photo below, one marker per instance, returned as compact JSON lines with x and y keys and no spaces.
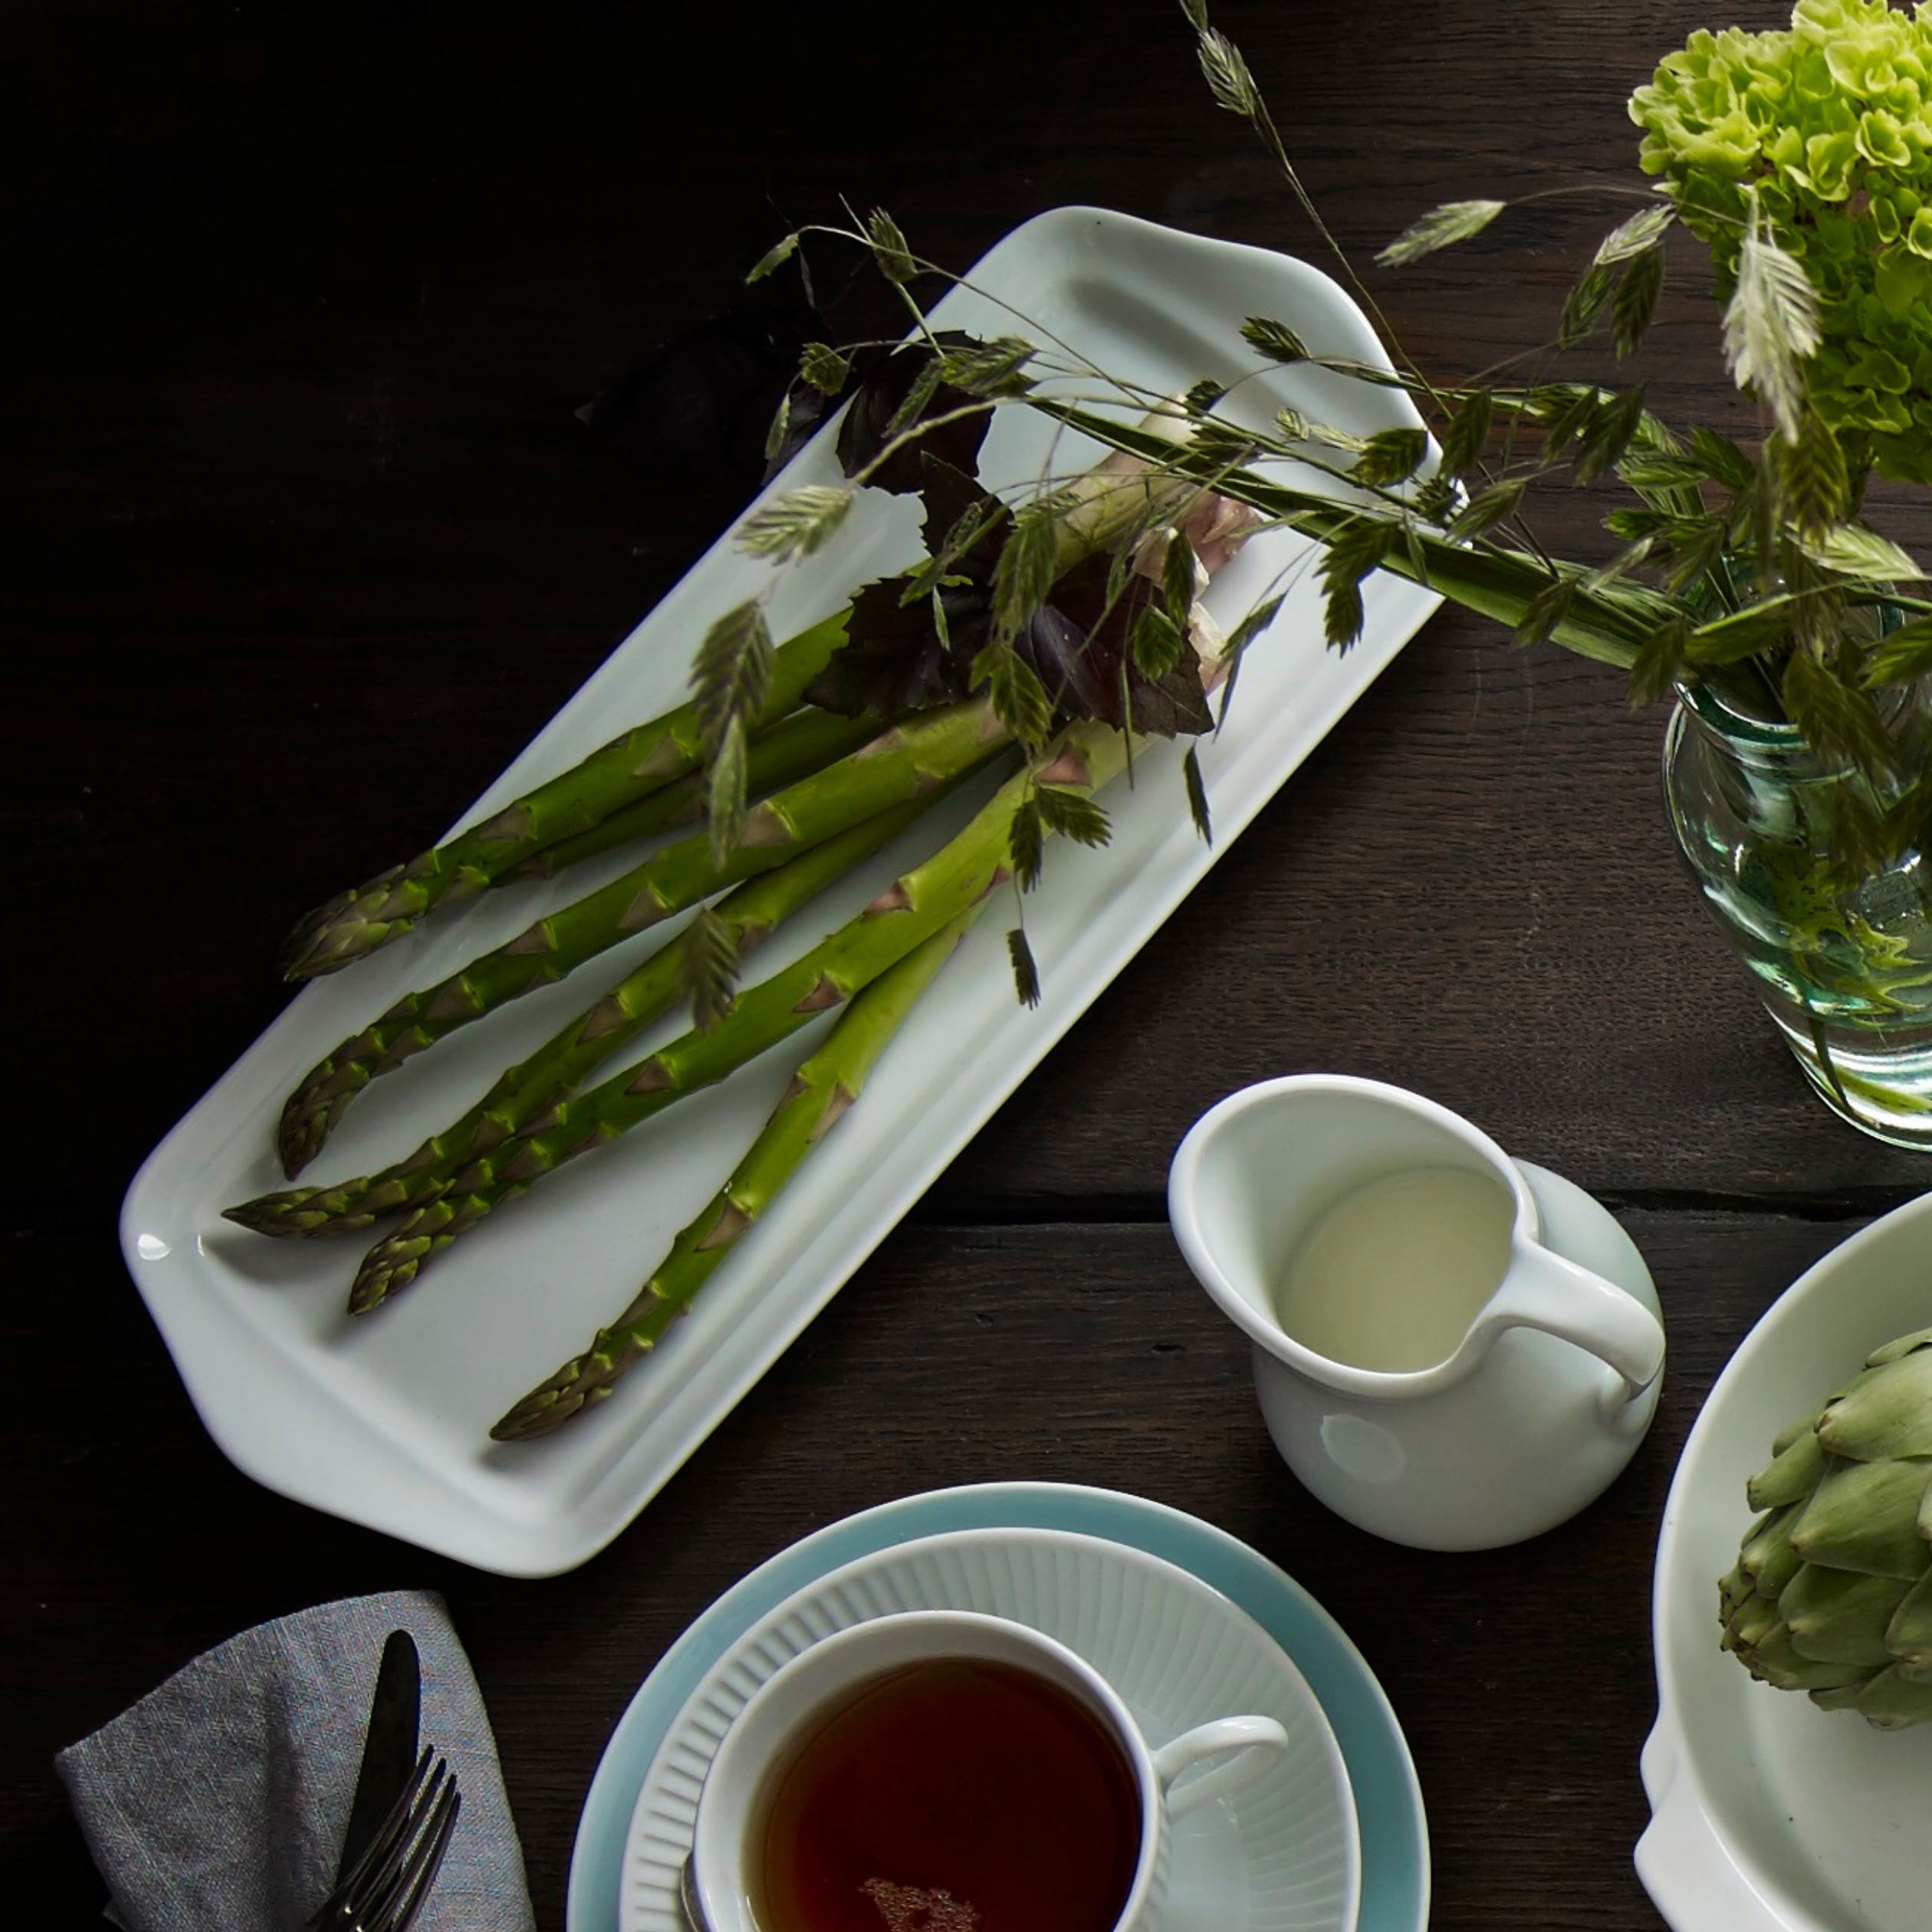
{"x":217,"y":1803}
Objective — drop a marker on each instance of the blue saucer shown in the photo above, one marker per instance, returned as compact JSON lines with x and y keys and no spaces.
{"x":1389,"y":1801}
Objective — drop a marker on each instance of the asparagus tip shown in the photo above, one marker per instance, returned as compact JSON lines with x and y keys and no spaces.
{"x":539,"y":1412}
{"x":274,"y":1213}
{"x":582,"y":1383}
{"x":318,"y":947}
{"x":306,"y":1120}
{"x":386,"y":1269}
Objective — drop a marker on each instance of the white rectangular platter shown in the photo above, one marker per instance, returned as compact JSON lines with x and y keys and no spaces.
{"x":385,"y":1419}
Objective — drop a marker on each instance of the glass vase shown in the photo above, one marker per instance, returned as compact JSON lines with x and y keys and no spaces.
{"x":1841,"y":952}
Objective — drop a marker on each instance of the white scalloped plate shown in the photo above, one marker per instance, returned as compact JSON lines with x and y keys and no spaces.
{"x":385,"y":1421}
{"x":1281,"y":1854}
{"x":1769,"y":1815}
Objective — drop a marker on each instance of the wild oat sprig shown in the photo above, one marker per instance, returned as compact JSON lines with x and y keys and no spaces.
{"x":1233,"y":88}
{"x":795,"y":524}
{"x":1442,"y":227}
{"x":1635,"y":237}
{"x":1771,"y":325}
{"x":730,"y":677}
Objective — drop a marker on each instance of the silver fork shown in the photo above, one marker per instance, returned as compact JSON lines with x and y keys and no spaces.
{"x":384,"y":1890}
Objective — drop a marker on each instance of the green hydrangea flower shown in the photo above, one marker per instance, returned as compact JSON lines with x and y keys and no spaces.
{"x":1828,"y":126}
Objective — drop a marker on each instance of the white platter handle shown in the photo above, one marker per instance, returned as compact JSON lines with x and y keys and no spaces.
{"x":1684,"y":1865}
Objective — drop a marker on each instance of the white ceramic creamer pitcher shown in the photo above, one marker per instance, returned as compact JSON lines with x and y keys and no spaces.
{"x":1451,"y":1350}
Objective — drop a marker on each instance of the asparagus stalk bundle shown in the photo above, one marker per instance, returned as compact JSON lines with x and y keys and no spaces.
{"x":641,"y":762}
{"x":822,"y":1091}
{"x":835,"y":788}
{"x":822,"y":979}
{"x":559,"y":1066}
{"x":793,"y":749}
{"x":907,"y":762}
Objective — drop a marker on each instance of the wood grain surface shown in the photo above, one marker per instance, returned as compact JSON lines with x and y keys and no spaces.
{"x":307,"y":537}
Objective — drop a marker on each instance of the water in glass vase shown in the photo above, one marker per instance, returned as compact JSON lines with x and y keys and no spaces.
{"x":1842,"y":956}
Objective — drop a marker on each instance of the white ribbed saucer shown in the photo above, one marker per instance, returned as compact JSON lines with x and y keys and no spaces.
{"x":1281,"y":1854}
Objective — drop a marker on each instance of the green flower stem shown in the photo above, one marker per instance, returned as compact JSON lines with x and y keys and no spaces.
{"x":1610,"y":625}
{"x":561,"y":1066}
{"x":640,"y":762}
{"x":908,"y":761}
{"x":826,"y":977}
{"x":822,"y":1092}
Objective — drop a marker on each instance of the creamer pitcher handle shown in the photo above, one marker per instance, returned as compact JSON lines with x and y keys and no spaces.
{"x":1543,"y":1291}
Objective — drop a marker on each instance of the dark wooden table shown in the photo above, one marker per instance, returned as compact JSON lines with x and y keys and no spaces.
{"x":305,"y":538}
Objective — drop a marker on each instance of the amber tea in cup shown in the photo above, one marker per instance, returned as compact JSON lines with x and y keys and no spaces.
{"x":948,"y":1795}
{"x":951,"y":1771}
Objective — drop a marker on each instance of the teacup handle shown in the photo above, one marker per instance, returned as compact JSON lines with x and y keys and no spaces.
{"x":1544,"y":1291}
{"x":1257,"y":1741}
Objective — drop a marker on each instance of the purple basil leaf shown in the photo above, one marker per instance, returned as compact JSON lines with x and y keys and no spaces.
{"x":1080,"y":648}
{"x":893,"y":660}
{"x":884,"y":383}
{"x":949,"y":494}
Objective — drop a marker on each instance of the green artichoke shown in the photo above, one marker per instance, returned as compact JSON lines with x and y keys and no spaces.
{"x":1832,"y":1593}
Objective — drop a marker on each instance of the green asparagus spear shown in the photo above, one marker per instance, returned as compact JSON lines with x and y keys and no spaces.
{"x":652,"y":755}
{"x":562,"y":1063}
{"x":823,"y":1089}
{"x":908,"y":761}
{"x":824,"y":977}
{"x":793,"y":749}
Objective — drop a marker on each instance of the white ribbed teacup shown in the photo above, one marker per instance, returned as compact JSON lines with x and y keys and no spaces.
{"x":790,"y":1705}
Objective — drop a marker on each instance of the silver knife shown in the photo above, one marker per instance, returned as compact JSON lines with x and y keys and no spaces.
{"x":389,"y":1750}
